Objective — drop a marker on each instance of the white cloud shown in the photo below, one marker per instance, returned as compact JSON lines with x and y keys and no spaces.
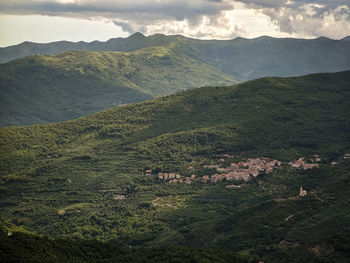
{"x":220,"y":19}
{"x":307,"y":20}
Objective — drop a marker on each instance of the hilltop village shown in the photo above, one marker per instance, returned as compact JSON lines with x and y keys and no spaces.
{"x":244,"y":170}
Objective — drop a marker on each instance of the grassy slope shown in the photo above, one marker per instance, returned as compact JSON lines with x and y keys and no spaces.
{"x":45,"y":89}
{"x":104,"y":155}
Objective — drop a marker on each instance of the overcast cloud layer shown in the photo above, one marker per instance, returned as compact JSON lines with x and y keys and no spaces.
{"x":202,"y":18}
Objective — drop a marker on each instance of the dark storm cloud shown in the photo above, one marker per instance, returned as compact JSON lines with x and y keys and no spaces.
{"x":125,"y":26}
{"x":168,"y":9}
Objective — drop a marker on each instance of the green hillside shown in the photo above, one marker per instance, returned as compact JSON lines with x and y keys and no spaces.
{"x":76,"y":83}
{"x":44,"y":89}
{"x":85,"y":179}
{"x":129,"y":44}
{"x":243,"y":58}
{"x":26,"y":247}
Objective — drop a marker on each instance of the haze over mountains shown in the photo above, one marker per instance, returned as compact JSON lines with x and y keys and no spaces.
{"x":43,"y":89}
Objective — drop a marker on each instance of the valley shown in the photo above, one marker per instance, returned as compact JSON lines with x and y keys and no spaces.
{"x":99,"y":177}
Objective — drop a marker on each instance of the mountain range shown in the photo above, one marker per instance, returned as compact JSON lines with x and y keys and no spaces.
{"x":96,"y":177}
{"x":82,"y":78}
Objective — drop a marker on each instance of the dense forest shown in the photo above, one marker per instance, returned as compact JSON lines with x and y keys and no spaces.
{"x":89,"y":179}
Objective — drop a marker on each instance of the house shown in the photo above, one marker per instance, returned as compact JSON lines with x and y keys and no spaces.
{"x":233,"y":186}
{"x":193,"y":177}
{"x":160,"y":176}
{"x":333,"y":163}
{"x":178,"y":176}
{"x":302,"y":192}
{"x":241,"y":164}
{"x":205,"y":178}
{"x":148,"y":172}
{"x":119,"y":197}
{"x":254,"y":173}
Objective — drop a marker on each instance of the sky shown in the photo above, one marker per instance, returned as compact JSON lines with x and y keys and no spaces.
{"x":45,"y":21}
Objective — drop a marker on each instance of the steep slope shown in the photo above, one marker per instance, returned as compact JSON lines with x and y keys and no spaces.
{"x":85,"y":178}
{"x":43,"y":89}
{"x":267,"y":56}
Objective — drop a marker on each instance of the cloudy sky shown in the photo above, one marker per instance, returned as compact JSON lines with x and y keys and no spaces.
{"x":88,"y":20}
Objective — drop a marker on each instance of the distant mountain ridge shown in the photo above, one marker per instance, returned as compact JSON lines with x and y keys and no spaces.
{"x":50,"y":93}
{"x":243,"y":58}
{"x":131,"y":43}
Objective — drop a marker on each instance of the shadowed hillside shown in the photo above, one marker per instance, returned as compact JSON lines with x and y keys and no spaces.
{"x":44,"y":89}
{"x":85,"y":179}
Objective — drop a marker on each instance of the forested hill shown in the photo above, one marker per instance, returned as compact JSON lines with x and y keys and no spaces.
{"x":44,"y":89}
{"x":310,"y":112}
{"x":47,"y":89}
{"x":85,"y":178}
{"x":244,"y":58}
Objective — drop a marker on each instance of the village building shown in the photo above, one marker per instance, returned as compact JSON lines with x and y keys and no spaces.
{"x":205,"y":178}
{"x":233,"y":186}
{"x":119,"y":197}
{"x":302,"y":192}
